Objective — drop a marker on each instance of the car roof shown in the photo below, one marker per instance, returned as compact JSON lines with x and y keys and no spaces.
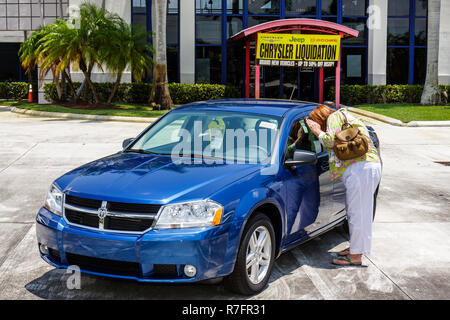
{"x":271,"y":107}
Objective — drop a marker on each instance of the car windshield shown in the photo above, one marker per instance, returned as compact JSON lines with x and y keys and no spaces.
{"x":213,"y":135}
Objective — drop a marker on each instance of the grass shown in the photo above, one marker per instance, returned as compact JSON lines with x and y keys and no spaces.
{"x":410,"y":112}
{"x":127,"y":110}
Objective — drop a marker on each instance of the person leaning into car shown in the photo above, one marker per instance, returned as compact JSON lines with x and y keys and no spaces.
{"x":360,"y":176}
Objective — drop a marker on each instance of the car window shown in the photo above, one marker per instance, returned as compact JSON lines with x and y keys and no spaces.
{"x":301,"y":138}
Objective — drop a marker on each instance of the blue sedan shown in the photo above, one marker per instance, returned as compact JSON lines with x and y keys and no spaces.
{"x":215,"y":189}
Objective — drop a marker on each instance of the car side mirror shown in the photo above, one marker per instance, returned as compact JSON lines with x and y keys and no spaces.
{"x":126,"y":142}
{"x":301,"y":158}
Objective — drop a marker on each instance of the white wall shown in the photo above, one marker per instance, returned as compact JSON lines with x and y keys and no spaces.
{"x":377,"y":24}
{"x":444,"y":43}
{"x":11,"y":36}
{"x":187,"y":41}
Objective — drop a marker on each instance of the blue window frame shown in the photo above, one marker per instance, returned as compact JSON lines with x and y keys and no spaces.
{"x":407,"y":37}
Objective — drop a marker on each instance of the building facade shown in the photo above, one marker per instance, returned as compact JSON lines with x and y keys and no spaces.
{"x":390,"y":49}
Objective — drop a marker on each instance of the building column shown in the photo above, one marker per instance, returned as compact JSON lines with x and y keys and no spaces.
{"x":444,"y":44}
{"x":377,"y":46}
{"x":187,"y":41}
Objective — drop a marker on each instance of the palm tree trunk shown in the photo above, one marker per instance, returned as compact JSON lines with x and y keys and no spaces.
{"x":431,"y":94}
{"x":160,"y":89}
{"x":72,"y":88}
{"x":87,"y":76}
{"x":116,"y":86}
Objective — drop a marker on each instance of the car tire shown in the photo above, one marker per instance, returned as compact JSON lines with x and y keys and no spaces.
{"x":375,"y":196}
{"x":239,"y":281}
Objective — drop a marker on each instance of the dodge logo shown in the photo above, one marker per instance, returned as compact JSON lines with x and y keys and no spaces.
{"x":102,"y":213}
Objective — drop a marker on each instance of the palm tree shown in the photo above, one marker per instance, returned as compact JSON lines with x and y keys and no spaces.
{"x":82,"y":46}
{"x":160,"y":89}
{"x":128,"y":48}
{"x":430,"y":94}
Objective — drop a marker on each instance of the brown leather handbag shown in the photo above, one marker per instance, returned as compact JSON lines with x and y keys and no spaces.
{"x":349,"y":143}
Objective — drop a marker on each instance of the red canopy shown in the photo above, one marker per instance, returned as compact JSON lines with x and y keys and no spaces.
{"x":304,"y":26}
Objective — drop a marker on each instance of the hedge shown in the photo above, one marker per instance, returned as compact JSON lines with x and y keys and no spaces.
{"x":396,"y":93}
{"x":139,"y":92}
{"x":15,"y":90}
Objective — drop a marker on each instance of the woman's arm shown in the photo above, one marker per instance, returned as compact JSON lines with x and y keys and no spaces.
{"x":326,"y":138}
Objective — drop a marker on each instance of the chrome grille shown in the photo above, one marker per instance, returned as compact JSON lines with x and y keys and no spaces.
{"x":120,"y":217}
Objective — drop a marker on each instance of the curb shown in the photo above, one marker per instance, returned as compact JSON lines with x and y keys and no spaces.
{"x":396,"y":122}
{"x":376,"y":116}
{"x":76,"y":116}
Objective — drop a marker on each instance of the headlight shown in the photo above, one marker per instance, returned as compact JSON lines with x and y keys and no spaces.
{"x":203,"y":213}
{"x":54,"y":200}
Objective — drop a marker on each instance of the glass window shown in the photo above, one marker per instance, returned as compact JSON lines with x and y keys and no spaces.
{"x":300,"y":7}
{"x":353,"y":65}
{"x":264,"y":6}
{"x":9,"y":68}
{"x":172,"y":29}
{"x":234,"y":25}
{"x":398,"y":8}
{"x":331,"y":19}
{"x":140,"y":20}
{"x":240,"y":137}
{"x":235,"y":61}
{"x":208,"y":64}
{"x":235,"y":6}
{"x":421,"y":7}
{"x":290,"y":80}
{"x":208,"y":6}
{"x":420,"y":65}
{"x":139,"y":6}
{"x":358,"y":24}
{"x":172,"y":6}
{"x":420,"y":30}
{"x":172,"y":64}
{"x":271,"y":82}
{"x":209,"y":29}
{"x":353,"y":7}
{"x":253,"y":21}
{"x":398,"y":31}
{"x":329,"y":7}
{"x":397,"y":65}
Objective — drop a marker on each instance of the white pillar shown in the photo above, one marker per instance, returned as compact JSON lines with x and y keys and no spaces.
{"x":444,"y":44}
{"x":377,"y":25}
{"x":187,"y":41}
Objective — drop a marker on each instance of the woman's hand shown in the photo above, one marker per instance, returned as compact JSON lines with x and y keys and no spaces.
{"x":314,"y":126}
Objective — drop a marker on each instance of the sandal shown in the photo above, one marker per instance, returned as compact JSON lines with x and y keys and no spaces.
{"x":345,"y":258}
{"x":344,"y":252}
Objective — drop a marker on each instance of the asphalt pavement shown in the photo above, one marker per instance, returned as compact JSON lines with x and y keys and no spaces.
{"x":411,"y":236}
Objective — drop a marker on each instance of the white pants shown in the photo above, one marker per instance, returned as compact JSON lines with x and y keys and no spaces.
{"x":361,"y":180}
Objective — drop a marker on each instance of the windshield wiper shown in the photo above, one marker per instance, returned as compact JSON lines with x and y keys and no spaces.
{"x":140,"y":151}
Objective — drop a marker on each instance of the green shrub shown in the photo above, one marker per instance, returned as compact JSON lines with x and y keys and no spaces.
{"x":395,"y":93}
{"x":139,"y":92}
{"x":14,"y":90}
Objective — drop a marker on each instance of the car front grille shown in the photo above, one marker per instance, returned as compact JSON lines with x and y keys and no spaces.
{"x":103,"y":265}
{"x":120,"y":217}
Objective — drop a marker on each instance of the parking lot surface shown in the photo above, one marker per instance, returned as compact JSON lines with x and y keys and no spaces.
{"x":410,"y":257}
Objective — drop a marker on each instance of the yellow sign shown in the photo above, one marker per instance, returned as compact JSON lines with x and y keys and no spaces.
{"x":297,"y":50}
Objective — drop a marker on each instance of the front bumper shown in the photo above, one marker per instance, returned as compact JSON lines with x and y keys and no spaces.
{"x":156,"y":256}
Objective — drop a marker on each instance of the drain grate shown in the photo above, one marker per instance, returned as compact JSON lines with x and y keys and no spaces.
{"x":444,"y":163}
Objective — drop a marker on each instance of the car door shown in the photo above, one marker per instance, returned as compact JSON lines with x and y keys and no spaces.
{"x":308,"y":191}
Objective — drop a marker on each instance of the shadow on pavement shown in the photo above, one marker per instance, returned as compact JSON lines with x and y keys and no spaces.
{"x":315,"y":254}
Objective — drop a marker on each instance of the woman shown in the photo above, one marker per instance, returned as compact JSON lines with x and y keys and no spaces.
{"x":360,"y":176}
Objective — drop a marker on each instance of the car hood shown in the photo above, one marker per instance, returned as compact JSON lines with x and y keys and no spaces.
{"x":143,"y":178}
